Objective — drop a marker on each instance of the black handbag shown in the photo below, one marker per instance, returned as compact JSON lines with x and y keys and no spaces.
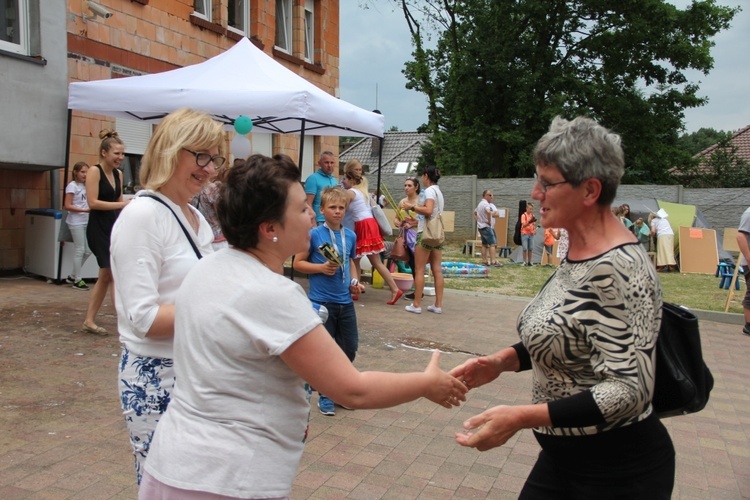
{"x":683,"y":381}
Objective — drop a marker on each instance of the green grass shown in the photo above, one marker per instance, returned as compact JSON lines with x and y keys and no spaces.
{"x":695,"y":291}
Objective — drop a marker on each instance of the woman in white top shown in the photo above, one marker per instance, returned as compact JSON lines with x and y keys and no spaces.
{"x":156,"y":240}
{"x":433,"y":205}
{"x":78,"y":218}
{"x":661,"y":228}
{"x":369,"y":241}
{"x":249,"y":347}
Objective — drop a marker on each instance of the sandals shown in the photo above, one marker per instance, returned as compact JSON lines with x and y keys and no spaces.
{"x":97,"y":330}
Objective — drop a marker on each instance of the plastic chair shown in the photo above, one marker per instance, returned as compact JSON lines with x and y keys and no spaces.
{"x":726,"y":272}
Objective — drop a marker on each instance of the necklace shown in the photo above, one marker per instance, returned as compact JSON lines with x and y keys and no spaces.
{"x":108,"y":174}
{"x":191,"y":217}
{"x":253,"y":255}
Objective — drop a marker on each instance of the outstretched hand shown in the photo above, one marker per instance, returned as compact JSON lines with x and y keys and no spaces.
{"x":495,"y":426}
{"x":476,"y":372}
{"x":444,"y":389}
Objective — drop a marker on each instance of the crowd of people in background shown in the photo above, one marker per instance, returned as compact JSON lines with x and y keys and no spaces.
{"x":656,"y":235}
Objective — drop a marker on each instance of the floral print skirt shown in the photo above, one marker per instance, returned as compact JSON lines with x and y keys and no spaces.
{"x":145,"y":391}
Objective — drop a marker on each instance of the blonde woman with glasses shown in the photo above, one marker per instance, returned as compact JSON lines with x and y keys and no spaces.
{"x":155,"y":242}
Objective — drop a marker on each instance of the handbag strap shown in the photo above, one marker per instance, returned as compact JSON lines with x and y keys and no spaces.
{"x":439,"y":201}
{"x":184,"y":230}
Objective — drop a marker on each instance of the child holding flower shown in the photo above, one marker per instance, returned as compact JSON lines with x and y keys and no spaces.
{"x":329,"y":263}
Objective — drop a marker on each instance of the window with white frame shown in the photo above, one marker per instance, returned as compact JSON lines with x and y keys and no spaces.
{"x":202,"y":8}
{"x":309,"y":30}
{"x":14,"y":28}
{"x":284,"y":25}
{"x":405,"y":167}
{"x":238,"y":18}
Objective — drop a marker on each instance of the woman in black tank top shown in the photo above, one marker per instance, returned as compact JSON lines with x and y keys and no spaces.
{"x":104,"y":196}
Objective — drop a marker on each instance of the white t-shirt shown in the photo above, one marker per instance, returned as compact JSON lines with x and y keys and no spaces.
{"x":150,"y":256}
{"x":359,"y":208}
{"x":745,"y":229}
{"x":483,"y":218}
{"x":237,"y":422}
{"x":432,"y":193}
{"x":78,"y":190}
{"x":661,"y":227}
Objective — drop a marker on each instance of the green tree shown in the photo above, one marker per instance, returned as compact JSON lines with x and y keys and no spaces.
{"x":497,"y":72}
{"x":704,"y":138}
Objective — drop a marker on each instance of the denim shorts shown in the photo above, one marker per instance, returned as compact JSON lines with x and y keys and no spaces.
{"x":527,"y":241}
{"x":488,"y":236}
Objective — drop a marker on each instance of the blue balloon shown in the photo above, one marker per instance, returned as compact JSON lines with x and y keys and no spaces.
{"x":243,"y":125}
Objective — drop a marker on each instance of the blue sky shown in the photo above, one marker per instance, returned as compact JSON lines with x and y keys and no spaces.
{"x":375,"y":44}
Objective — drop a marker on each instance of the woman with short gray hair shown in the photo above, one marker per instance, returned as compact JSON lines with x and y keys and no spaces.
{"x":589,"y":337}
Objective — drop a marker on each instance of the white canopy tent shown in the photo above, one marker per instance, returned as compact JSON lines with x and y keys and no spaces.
{"x":244,"y":80}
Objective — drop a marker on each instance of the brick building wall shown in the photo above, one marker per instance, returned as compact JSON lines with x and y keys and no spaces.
{"x":151,"y":36}
{"x":164,"y":35}
{"x":19,"y":190}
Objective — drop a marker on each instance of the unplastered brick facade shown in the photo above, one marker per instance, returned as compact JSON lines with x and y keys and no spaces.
{"x":151,"y":36}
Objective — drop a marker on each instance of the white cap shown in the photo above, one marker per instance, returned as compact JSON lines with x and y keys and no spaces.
{"x":662,"y":214}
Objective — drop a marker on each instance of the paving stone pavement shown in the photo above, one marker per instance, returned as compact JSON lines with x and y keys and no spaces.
{"x":62,"y":435}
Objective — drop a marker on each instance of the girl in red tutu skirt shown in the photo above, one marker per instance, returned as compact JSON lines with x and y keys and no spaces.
{"x":369,"y":241}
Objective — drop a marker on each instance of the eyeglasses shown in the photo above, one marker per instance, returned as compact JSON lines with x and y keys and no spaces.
{"x":203,"y":159}
{"x":544,"y":185}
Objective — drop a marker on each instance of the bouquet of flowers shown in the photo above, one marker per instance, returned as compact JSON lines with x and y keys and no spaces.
{"x":401,"y":214}
{"x":330,"y":254}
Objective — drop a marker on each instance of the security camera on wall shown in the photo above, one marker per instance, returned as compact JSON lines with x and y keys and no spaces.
{"x":98,"y":10}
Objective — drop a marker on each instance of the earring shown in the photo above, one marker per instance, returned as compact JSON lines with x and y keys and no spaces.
{"x":275,"y":239}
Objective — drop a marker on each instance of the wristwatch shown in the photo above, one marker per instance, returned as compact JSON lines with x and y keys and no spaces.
{"x":353,"y":282}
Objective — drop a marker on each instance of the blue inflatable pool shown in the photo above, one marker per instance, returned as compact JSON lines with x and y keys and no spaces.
{"x":464,"y":270}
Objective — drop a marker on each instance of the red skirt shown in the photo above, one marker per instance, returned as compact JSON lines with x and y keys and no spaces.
{"x":369,"y":240}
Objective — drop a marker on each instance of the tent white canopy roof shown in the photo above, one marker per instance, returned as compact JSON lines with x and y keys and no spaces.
{"x":244,"y":80}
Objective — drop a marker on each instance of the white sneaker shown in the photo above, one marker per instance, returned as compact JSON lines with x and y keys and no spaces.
{"x":436,"y":310}
{"x":412,"y":309}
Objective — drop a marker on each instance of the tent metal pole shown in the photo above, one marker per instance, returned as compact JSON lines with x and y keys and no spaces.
{"x":65,"y":183}
{"x":380,"y":160}
{"x":301,"y":143}
{"x":299,"y":166}
{"x":67,"y":149}
{"x":380,"y":165}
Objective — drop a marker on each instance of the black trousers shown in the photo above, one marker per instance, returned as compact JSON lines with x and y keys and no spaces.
{"x":636,"y":461}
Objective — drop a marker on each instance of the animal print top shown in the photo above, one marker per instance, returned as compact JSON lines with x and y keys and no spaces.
{"x":591,"y":333}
